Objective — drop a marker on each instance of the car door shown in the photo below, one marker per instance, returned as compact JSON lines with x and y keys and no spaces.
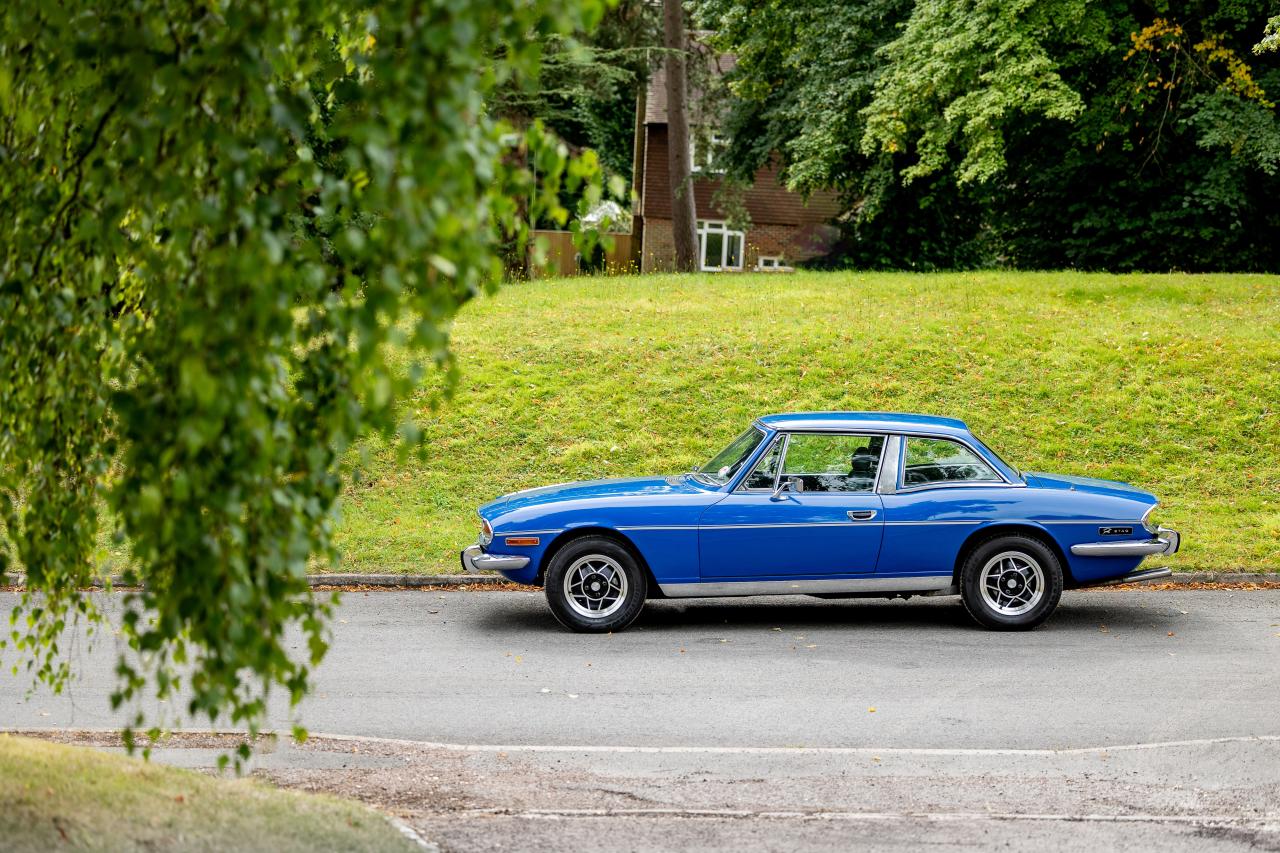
{"x":833,"y":526}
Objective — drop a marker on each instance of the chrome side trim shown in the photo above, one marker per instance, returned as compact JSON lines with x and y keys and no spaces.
{"x":1166,"y":543}
{"x":910,"y":523}
{"x":776,"y":524}
{"x":709,"y":589}
{"x":474,"y":559}
{"x":1101,"y":522}
{"x":969,"y":523}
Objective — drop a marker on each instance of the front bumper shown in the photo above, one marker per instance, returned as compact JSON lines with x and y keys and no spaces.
{"x":1166,"y":541}
{"x":474,"y":559}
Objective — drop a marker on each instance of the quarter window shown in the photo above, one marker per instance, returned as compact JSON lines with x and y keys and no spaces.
{"x":938,"y":460}
{"x":766,"y":470}
{"x":829,"y":462}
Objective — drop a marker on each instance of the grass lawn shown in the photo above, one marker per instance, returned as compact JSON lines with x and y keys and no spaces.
{"x":1170,"y":382}
{"x":55,"y":797}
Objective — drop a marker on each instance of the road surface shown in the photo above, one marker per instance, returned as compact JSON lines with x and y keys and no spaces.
{"x":1133,"y":718}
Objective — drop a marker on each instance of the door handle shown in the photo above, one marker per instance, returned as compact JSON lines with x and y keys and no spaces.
{"x":861,"y":514}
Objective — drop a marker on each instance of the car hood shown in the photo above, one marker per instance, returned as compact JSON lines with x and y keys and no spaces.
{"x":593,"y":490}
{"x":1089,"y":485}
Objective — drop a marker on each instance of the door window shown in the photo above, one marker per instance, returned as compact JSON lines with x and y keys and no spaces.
{"x":830,"y":462}
{"x":938,"y":460}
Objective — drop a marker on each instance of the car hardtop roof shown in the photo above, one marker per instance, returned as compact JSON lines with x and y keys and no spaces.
{"x":875,"y":421}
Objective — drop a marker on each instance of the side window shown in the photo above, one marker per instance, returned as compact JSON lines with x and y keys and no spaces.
{"x":937,"y":460}
{"x":762,"y":476}
{"x":828,"y":462}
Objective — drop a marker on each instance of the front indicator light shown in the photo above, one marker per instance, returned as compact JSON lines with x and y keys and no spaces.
{"x":523,"y":540}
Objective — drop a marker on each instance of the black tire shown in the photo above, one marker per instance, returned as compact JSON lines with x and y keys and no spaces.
{"x":1015,"y":557}
{"x":597,"y":561}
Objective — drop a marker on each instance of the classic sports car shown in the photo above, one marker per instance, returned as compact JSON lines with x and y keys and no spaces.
{"x":832,"y":504}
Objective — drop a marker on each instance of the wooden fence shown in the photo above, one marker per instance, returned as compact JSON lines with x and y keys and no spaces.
{"x":563,"y":260}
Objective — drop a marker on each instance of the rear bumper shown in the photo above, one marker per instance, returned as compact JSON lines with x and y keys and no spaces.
{"x":1166,"y":541}
{"x":1134,"y":577}
{"x":474,"y":559}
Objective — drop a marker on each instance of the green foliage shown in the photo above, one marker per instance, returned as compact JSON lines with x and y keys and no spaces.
{"x":215,"y":216}
{"x":1270,"y":38}
{"x":588,"y":82}
{"x":1109,"y":134}
{"x":961,"y":70}
{"x":1164,"y":381}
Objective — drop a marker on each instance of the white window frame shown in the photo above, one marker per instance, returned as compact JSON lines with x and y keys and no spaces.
{"x":719,"y":226}
{"x":716,"y":143}
{"x":772,"y":263}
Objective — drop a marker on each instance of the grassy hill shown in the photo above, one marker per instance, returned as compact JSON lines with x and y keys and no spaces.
{"x":1171,"y":382}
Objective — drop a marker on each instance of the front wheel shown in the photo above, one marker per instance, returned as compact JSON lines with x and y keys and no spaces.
{"x":595,"y":585}
{"x":1011,"y":583}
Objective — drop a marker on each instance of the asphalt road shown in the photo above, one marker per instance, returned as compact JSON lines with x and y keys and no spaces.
{"x":1138,"y":719}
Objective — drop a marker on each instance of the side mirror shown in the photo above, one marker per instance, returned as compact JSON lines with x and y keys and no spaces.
{"x":787,"y":484}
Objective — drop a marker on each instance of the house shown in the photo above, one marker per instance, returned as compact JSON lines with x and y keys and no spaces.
{"x":784,"y":227}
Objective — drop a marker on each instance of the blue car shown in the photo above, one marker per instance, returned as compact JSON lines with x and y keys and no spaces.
{"x":831,"y":504}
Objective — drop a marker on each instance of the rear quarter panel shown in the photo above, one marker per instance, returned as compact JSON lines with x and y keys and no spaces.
{"x":925,"y":530}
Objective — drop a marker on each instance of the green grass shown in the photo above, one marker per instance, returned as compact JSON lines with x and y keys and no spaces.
{"x":1170,"y":382}
{"x":55,"y":797}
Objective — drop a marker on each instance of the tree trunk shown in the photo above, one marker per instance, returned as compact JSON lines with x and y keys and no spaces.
{"x":684,"y":224}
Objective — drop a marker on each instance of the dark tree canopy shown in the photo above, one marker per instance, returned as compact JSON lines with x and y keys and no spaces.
{"x":1070,"y":133}
{"x":217,"y":219}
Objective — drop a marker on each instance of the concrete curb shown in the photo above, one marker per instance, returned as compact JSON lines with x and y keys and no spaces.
{"x":344,"y":580}
{"x":355,"y":579}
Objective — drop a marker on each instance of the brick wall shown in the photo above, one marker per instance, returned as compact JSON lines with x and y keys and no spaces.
{"x":792,"y":242}
{"x":767,"y":201}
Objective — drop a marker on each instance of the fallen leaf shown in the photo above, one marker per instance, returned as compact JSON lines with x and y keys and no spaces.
{"x":1170,"y":633}
{"x":871,"y":710}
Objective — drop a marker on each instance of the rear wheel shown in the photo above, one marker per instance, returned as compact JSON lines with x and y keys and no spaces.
{"x":1011,"y":583}
{"x":594,"y":585}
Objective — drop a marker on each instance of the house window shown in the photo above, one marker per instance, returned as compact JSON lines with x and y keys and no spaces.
{"x":718,"y":247}
{"x":706,"y":152}
{"x":773,"y":263}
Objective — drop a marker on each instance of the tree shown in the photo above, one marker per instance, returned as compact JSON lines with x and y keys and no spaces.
{"x":684,"y":224}
{"x":587,"y":86}
{"x":218,"y":221}
{"x":1084,"y":133}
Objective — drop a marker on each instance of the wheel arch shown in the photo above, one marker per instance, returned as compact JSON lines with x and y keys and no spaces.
{"x":622,"y":539}
{"x":1004,"y":528}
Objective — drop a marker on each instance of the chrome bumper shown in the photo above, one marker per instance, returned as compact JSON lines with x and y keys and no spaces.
{"x":474,"y":559}
{"x":1134,"y":577}
{"x":1166,"y":541}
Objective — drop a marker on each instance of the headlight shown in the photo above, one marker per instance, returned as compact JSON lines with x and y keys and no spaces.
{"x":486,"y":532}
{"x":1146,"y":520}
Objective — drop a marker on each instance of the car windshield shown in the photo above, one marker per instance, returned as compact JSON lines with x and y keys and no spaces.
{"x":728,"y":462}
